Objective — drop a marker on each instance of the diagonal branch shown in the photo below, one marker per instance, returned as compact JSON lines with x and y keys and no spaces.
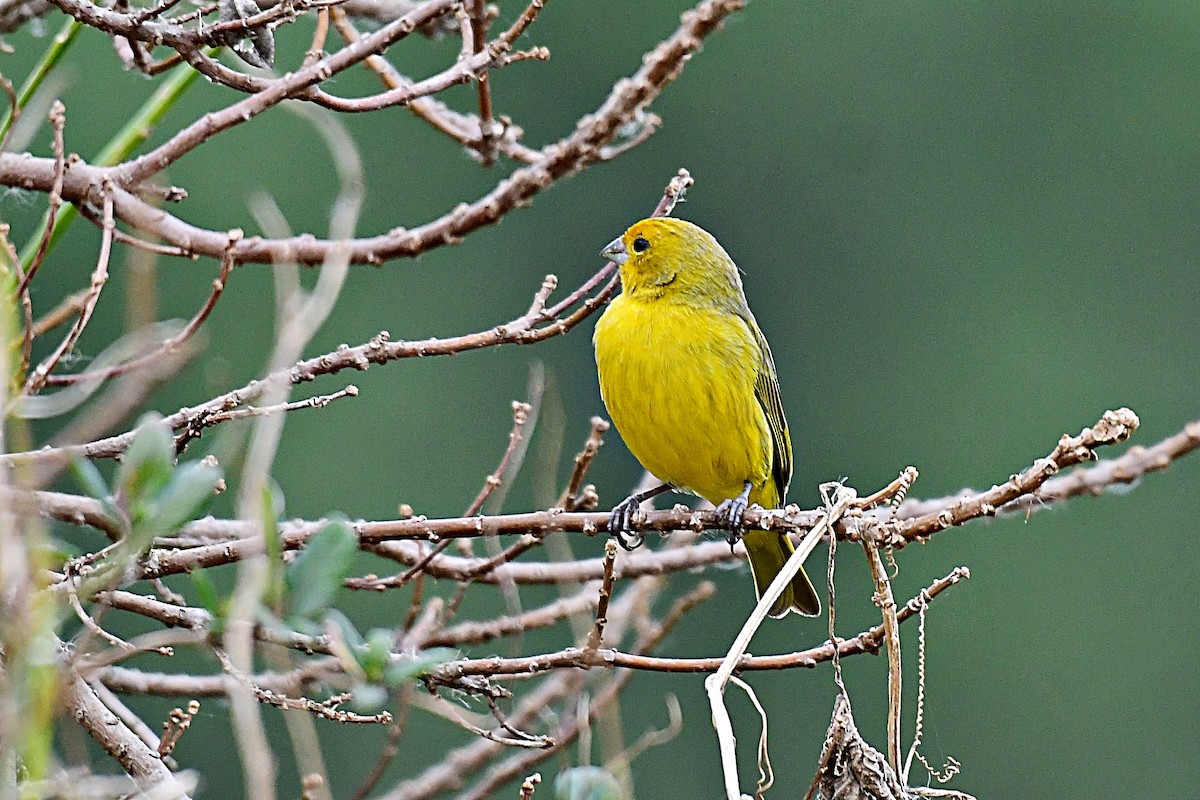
{"x":143,"y":764}
{"x":565,"y":157}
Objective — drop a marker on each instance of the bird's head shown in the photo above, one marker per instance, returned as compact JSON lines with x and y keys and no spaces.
{"x":674,"y":259}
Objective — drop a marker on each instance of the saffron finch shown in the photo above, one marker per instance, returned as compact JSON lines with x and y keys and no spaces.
{"x":688,"y":378}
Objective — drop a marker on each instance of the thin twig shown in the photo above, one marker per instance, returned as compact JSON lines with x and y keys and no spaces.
{"x":167,"y":347}
{"x":14,"y":110}
{"x":596,"y":635}
{"x":452,"y":673}
{"x":317,"y":49}
{"x":67,"y":308}
{"x":462,"y":128}
{"x":58,"y":122}
{"x":528,"y":785}
{"x":573,"y":498}
{"x":88,"y":622}
{"x":326,"y":709}
{"x":494,"y":480}
{"x":234,"y":540}
{"x":567,"y":156}
{"x":478,"y":29}
{"x":99,"y":277}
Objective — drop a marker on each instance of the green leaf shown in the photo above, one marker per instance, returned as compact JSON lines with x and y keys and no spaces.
{"x":148,"y":463}
{"x":375,"y":656}
{"x":587,"y":783}
{"x":210,"y":600}
{"x":404,"y":669}
{"x":349,"y":633}
{"x":314,"y":578}
{"x":88,"y":476}
{"x":186,"y":494}
{"x":272,"y":506}
{"x":368,"y":698}
{"x":58,"y":48}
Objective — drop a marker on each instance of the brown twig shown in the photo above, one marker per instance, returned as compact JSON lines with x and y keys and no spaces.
{"x":573,"y":723}
{"x":528,"y":785}
{"x":166,"y":348}
{"x":233,"y":540}
{"x":88,"y":213}
{"x":536,"y":324}
{"x":156,"y":10}
{"x":437,"y":704}
{"x":463,"y":128}
{"x":176,"y":725}
{"x":380,"y":350}
{"x":123,"y":712}
{"x":325,"y":709}
{"x":67,"y":308}
{"x":58,"y":122}
{"x":676,"y":189}
{"x":505,"y":556}
{"x":317,"y":49}
{"x":1114,"y":427}
{"x":868,"y":641}
{"x":596,"y":635}
{"x":99,"y":277}
{"x":573,"y":497}
{"x":137,"y":27}
{"x":493,"y":480}
{"x":515,"y":438}
{"x":14,"y":109}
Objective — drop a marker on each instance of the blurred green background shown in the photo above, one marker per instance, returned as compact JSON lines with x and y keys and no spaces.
{"x":967,"y":228}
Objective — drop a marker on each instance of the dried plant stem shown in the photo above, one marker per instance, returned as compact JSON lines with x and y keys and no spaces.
{"x":715,"y":684}
{"x":891,"y":636}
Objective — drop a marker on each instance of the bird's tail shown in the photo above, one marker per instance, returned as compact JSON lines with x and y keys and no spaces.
{"x":768,"y":552}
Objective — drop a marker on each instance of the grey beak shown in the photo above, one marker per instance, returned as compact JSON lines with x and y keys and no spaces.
{"x":615,"y":252}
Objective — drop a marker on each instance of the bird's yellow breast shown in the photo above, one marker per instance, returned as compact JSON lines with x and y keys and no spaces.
{"x":678,"y":382}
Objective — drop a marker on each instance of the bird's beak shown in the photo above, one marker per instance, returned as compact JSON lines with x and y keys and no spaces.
{"x":615,"y":252}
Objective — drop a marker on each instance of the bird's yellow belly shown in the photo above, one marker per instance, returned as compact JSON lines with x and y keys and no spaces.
{"x":678,"y":383}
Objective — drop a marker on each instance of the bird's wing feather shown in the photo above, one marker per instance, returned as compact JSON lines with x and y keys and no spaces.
{"x":766,"y":391}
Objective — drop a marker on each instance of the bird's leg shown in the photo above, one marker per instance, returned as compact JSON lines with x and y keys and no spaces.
{"x":620,"y":521}
{"x":731,"y":511}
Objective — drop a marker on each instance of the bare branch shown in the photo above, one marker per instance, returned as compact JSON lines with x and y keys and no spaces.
{"x":565,"y":157}
{"x":143,"y":764}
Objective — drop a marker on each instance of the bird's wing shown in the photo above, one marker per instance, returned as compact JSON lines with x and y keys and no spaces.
{"x":766,"y":391}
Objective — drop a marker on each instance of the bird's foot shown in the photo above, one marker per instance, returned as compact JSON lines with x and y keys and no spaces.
{"x":731,"y":512}
{"x":620,"y":523}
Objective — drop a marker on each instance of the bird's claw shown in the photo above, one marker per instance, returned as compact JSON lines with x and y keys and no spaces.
{"x":620,"y":524}
{"x":731,"y":513}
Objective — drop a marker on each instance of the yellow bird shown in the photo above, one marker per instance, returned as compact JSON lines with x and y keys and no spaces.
{"x":688,"y":379}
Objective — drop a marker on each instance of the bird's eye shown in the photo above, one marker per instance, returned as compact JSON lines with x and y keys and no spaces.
{"x":640,"y":245}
